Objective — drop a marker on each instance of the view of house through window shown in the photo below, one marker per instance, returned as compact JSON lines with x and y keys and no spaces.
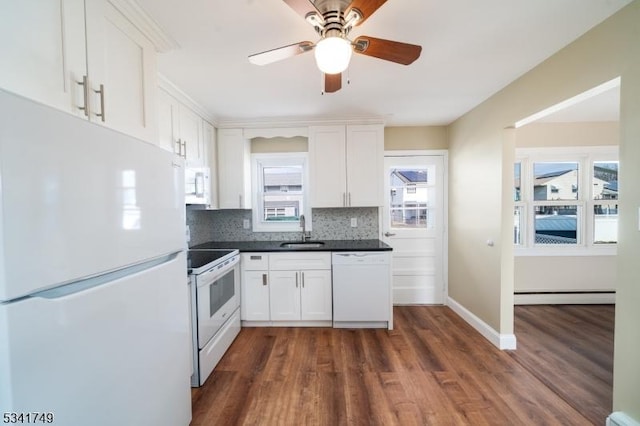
{"x":409,"y":206}
{"x":280,"y":191}
{"x":552,"y":208}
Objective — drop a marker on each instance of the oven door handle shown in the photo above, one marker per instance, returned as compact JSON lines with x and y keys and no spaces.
{"x":218,"y":271}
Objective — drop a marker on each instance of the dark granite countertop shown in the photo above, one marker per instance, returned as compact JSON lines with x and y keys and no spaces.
{"x":275,"y":246}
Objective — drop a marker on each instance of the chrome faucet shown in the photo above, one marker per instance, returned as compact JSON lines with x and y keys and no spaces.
{"x":303,"y":225}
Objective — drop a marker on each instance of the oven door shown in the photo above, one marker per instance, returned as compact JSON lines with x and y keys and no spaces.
{"x":217,"y":298}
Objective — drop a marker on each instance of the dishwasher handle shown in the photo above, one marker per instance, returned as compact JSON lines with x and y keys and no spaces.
{"x":359,"y":258}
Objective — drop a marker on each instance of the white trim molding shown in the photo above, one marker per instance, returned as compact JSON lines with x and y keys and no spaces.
{"x":162,"y":41}
{"x":501,"y":341}
{"x":568,"y":298}
{"x":618,"y":418}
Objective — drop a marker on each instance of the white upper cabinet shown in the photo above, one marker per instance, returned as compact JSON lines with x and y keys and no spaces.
{"x":43,"y":51}
{"x":121,"y":64}
{"x":234,"y":169}
{"x":191,"y":138}
{"x":102,"y":68}
{"x":168,"y":122}
{"x":327,"y":166}
{"x":211,"y":159}
{"x":346,"y":165}
{"x":181,"y":131}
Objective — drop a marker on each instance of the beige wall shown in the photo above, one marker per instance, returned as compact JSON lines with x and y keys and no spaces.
{"x":565,"y":273}
{"x":266,"y":145}
{"x":415,"y":138}
{"x":480,"y":149}
{"x":568,"y":134}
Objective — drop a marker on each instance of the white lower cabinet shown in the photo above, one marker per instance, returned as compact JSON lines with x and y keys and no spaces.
{"x":281,"y":288}
{"x":300,"y":295}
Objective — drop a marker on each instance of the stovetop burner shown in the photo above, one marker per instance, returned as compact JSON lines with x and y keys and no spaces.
{"x":197,"y":259}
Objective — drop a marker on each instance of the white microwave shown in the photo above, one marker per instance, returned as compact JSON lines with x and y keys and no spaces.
{"x":197,"y":185}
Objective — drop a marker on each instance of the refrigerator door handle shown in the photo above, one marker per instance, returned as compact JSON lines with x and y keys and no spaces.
{"x":98,"y":280}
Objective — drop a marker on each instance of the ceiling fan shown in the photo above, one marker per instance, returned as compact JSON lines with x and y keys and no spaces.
{"x":333,"y":20}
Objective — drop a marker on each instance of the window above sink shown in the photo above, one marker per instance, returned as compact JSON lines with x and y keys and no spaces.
{"x":280,"y":192}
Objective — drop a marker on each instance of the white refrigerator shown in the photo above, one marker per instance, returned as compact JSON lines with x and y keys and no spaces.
{"x":94,"y":320}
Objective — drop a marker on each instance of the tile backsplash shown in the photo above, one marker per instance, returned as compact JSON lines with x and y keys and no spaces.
{"x":327,"y":224}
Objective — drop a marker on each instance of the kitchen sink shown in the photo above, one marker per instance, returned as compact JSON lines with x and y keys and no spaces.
{"x":303,"y":244}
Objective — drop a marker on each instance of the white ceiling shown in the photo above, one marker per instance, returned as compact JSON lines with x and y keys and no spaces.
{"x":471,"y":49}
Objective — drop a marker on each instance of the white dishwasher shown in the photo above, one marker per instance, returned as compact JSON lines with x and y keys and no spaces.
{"x":362,"y":289}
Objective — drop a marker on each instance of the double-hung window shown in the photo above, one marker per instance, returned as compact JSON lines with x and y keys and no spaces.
{"x":566,"y":200}
{"x":280,"y":192}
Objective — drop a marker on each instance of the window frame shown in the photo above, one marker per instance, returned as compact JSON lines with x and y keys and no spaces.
{"x":258,"y":162}
{"x":585,"y":203}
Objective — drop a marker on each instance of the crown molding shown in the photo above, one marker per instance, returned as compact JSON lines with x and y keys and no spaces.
{"x":288,"y":122}
{"x":168,"y":86}
{"x":131,"y":10}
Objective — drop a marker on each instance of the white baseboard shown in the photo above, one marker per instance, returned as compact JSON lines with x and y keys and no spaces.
{"x":618,"y":418}
{"x":501,"y":341}
{"x":565,"y":299}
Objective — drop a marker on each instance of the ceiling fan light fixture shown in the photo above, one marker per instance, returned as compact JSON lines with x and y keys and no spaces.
{"x":333,"y":54}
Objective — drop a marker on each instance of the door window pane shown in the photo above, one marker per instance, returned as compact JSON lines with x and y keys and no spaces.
{"x":555,"y":181}
{"x":605,"y":180}
{"x":556,"y":224}
{"x":409,"y":198}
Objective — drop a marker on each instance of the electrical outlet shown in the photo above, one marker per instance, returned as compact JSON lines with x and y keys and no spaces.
{"x":246,"y":224}
{"x":354,"y":222}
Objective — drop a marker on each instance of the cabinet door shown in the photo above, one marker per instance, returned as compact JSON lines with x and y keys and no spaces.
{"x":284,"y":295}
{"x":315,"y":296}
{"x":254,"y":300}
{"x":211,"y":159}
{"x":365,"y":155}
{"x":327,"y":166}
{"x":123,"y":61}
{"x":234,"y":169}
{"x":43,"y":51}
{"x":191,"y":137}
{"x":168,"y":108}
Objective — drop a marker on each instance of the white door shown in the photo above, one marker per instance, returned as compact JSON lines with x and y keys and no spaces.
{"x":413,"y":224}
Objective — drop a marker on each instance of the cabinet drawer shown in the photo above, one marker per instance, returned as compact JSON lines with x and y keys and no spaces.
{"x":254,"y":261}
{"x":299,"y":261}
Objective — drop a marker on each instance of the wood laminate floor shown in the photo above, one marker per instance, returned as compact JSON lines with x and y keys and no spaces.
{"x":432,"y":369}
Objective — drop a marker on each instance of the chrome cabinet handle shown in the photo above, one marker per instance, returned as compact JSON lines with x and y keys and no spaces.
{"x":264,"y":279}
{"x":85,"y":92}
{"x":179,"y":150}
{"x":296,"y":280}
{"x":344,"y":199}
{"x":184,"y":145}
{"x":302,"y":273}
{"x":101,"y":92}
{"x":240,"y":200}
{"x":349,"y":199}
{"x":388,"y":234}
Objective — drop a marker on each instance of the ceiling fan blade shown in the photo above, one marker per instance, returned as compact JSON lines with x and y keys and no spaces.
{"x":280,"y":53}
{"x":394,"y":51}
{"x":332,"y":82}
{"x":365,"y":7}
{"x":303,"y":7}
